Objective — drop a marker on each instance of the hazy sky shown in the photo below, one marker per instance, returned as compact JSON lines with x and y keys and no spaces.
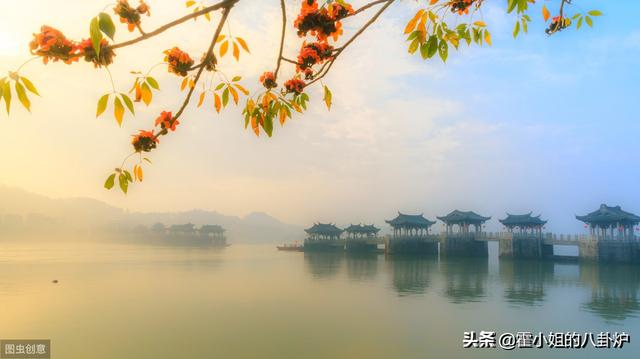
{"x":547,"y":124}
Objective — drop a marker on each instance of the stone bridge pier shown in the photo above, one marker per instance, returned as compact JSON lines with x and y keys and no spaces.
{"x":462,"y":245}
{"x":524,"y":246}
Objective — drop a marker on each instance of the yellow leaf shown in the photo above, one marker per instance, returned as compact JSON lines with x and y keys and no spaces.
{"x":192,"y":83}
{"x":146,"y":94}
{"x":201,"y":99}
{"x":207,"y":16}
{"x":190,"y":3}
{"x":118,"y":110}
{"x":220,"y":38}
{"x":283,"y":115}
{"x":545,"y":13}
{"x":236,"y":51}
{"x":480,"y":23}
{"x":242,"y":89}
{"x":487,"y":37}
{"x":217,"y":102}
{"x":140,"y":174}
{"x":412,"y":23}
{"x":223,"y":48}
{"x":243,"y":44}
{"x":234,"y":93}
{"x":184,"y":83}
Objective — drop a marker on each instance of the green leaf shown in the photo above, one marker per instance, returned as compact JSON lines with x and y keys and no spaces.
{"x":29,"y":85}
{"x":516,"y":30}
{"x":328,"y":96}
{"x":414,"y":46}
{"x":443,"y":50}
{"x":433,"y":46}
{"x":128,"y":175}
{"x":108,"y":184}
{"x":96,"y":35}
{"x":6,"y":93}
{"x":220,"y":85}
{"x":225,"y":97}
{"x":22,"y":96}
{"x":595,"y":13}
{"x":236,"y":78}
{"x":268,"y":125}
{"x":146,"y":159}
{"x":106,"y":25}
{"x":128,"y":102}
{"x":102,"y":105}
{"x":579,"y":23}
{"x":124,"y":183}
{"x":153,"y":83}
{"x":588,"y":20}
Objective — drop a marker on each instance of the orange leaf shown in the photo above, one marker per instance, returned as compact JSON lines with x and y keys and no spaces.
{"x":412,"y":23}
{"x":243,"y":44}
{"x":254,"y":126}
{"x":236,"y":51}
{"x":140,"y":174}
{"x":184,"y":83}
{"x":234,"y":93}
{"x":545,"y":13}
{"x":433,"y":2}
{"x":217,"y":102}
{"x":223,"y":48}
{"x":201,"y":99}
{"x":283,"y":115}
{"x":146,"y":94}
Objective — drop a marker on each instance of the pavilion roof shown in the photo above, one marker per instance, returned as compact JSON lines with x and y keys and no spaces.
{"x":457,"y":216}
{"x":324,"y":228}
{"x":606,"y":214}
{"x":410,"y":220}
{"x":212,"y":228}
{"x":362,"y":228}
{"x":522,"y":220}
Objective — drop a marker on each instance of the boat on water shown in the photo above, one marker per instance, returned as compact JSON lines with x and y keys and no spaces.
{"x":291,"y":247}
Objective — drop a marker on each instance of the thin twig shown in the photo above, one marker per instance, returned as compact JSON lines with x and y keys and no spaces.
{"x":161,"y":29}
{"x":225,"y":13}
{"x":339,"y":50}
{"x":284,"y":27}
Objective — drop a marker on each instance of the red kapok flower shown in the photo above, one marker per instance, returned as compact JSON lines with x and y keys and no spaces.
{"x":268,"y":80}
{"x":179,"y":61}
{"x":129,"y":14}
{"x":339,"y":11}
{"x":144,"y":141}
{"x":295,"y":86}
{"x":106,"y":54}
{"x":461,"y":6}
{"x":166,"y":121}
{"x":51,"y":44}
{"x":312,"y":54}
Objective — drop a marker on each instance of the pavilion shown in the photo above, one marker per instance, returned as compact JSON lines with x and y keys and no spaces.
{"x":410,"y":225}
{"x":361,"y":231}
{"x":323,"y":231}
{"x":464,"y":220}
{"x":610,"y":223}
{"x":212,"y":230}
{"x":524,"y":223}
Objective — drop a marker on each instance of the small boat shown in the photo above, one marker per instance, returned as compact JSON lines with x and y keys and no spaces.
{"x":291,"y":247}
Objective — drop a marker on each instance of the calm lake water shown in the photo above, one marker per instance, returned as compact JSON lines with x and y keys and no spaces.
{"x":251,"y":301}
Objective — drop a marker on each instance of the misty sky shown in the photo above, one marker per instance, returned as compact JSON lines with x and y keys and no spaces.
{"x":542,"y":124}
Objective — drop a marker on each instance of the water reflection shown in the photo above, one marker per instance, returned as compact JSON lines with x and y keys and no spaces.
{"x":614,"y":290}
{"x":465,"y":278}
{"x":524,"y":280}
{"x":411,"y":275}
{"x":323,"y":265}
{"x":362,"y":266}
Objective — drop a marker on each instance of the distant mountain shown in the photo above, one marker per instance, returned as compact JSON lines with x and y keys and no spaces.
{"x":22,"y":210}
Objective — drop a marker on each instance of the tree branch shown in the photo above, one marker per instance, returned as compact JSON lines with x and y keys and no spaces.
{"x":225,"y":13}
{"x":226,"y":4}
{"x":339,"y":50}
{"x":284,"y":27}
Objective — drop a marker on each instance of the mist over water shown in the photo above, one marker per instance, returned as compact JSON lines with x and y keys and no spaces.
{"x":117,"y":300}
